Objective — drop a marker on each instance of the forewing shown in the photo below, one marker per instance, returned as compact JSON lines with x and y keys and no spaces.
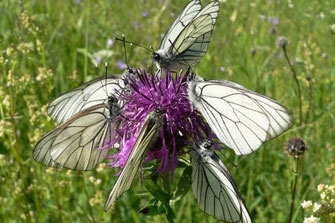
{"x":215,"y":190}
{"x":184,"y":18}
{"x":86,"y":95}
{"x":201,"y":24}
{"x":148,"y":131}
{"x":241,"y":119}
{"x":75,"y":144}
{"x":211,"y":9}
{"x":192,"y":43}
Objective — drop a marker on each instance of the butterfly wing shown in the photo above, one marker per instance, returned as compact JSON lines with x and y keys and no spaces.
{"x":194,"y":43}
{"x":86,"y":95}
{"x":184,"y":18}
{"x":75,"y":144}
{"x":146,"y":135}
{"x":214,"y":188}
{"x":241,"y":118}
{"x":200,"y":28}
{"x":183,"y":47}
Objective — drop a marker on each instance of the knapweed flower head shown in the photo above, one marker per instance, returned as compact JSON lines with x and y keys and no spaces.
{"x":295,"y":147}
{"x":182,"y":125}
{"x":282,"y":41}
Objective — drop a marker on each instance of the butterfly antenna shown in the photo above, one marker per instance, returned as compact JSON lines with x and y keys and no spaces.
{"x":103,"y":81}
{"x":135,"y":44}
{"x":106,"y":74}
{"x":228,"y":159}
{"x":152,"y":49}
{"x":131,"y":47}
{"x":124,"y":41}
{"x":125,"y":50}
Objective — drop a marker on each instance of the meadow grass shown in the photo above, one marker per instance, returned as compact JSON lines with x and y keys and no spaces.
{"x":49,"y":47}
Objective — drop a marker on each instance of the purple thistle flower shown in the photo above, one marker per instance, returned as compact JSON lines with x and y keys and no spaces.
{"x":222,"y":68}
{"x":145,"y":13}
{"x":110,"y":42}
{"x":273,"y":20}
{"x":136,"y":25}
{"x":98,"y":59}
{"x":182,"y":125}
{"x":121,"y":65}
{"x":262,"y":17}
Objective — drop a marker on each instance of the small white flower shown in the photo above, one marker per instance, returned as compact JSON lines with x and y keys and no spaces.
{"x":332,"y":27}
{"x":311,"y":219}
{"x":321,"y":187}
{"x":316,"y":207}
{"x":92,"y":179}
{"x":306,"y":204}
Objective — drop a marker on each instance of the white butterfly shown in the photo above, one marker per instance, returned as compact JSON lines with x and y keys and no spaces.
{"x":240,"y":118}
{"x":86,"y":95}
{"x":75,"y":144}
{"x":187,"y":39}
{"x":147,"y":135}
{"x":214,"y":188}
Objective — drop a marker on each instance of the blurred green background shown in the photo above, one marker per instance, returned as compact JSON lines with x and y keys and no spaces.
{"x":48,"y":47}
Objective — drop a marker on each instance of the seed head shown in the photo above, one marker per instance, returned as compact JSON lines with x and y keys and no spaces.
{"x":282,"y":41}
{"x":295,"y":147}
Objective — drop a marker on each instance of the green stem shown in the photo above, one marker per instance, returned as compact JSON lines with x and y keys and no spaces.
{"x":310,"y":100}
{"x":89,"y":214}
{"x":294,"y":189}
{"x":297,"y":83}
{"x":86,"y":41}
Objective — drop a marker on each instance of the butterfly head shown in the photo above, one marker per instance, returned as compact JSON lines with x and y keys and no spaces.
{"x":159,"y":59}
{"x":203,"y":148}
{"x":112,"y":100}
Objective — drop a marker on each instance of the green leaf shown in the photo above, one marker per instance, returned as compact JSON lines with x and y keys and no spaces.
{"x":184,"y":183}
{"x":170,"y":216}
{"x":152,"y":210}
{"x":182,"y":163}
{"x":156,"y":191}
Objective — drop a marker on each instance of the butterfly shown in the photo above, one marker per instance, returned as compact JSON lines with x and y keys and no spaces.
{"x":214,"y":188}
{"x":187,"y":39}
{"x":148,"y":133}
{"x":240,"y":118}
{"x":86,"y":95}
{"x":82,"y":142}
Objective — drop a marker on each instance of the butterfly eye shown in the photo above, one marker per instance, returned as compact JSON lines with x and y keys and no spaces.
{"x":191,"y":76}
{"x":112,"y":100}
{"x":156,"y":56}
{"x":207,"y":144}
{"x":131,"y":70}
